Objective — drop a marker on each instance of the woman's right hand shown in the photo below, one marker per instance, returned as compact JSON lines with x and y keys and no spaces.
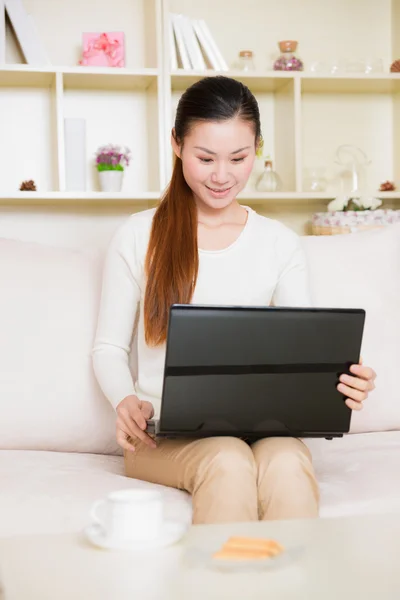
{"x":132,"y":415}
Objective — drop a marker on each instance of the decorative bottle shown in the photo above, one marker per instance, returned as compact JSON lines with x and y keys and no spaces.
{"x":287,"y":60}
{"x":246,"y":60}
{"x":269,"y":180}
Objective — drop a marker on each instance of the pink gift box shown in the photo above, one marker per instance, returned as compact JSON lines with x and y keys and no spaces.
{"x":103,"y":49}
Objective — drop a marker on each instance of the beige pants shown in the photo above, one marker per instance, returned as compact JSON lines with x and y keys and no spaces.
{"x":230,"y":480}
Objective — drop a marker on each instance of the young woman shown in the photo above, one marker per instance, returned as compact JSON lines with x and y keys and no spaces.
{"x":201,"y":246}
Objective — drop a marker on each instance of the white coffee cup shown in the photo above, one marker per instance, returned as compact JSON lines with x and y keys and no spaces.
{"x":130,"y":515}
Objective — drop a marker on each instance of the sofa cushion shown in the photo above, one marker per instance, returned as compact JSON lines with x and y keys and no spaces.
{"x":362,"y":270}
{"x":52,"y":492}
{"x":49,"y":399}
{"x":357,"y":474}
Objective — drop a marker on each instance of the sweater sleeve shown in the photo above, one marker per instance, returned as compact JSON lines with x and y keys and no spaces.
{"x":292,"y":288}
{"x":120,"y":296}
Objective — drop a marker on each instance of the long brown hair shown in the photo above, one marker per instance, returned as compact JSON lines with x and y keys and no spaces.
{"x":172,"y":260}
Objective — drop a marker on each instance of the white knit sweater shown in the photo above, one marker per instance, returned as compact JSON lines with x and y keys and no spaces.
{"x":264,"y":266}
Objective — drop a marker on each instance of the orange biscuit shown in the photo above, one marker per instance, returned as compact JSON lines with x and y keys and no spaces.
{"x":246,"y":548}
{"x":241,"y":554}
{"x":256,"y":543}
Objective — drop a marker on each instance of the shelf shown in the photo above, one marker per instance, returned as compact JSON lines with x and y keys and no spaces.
{"x":387,"y":195}
{"x":351,"y":83}
{"x":272,"y":81}
{"x":24,"y":76}
{"x":109,"y":199}
{"x":54,"y":198}
{"x":257,"y":81}
{"x":306,"y":197}
{"x":105,"y":197}
{"x":267,"y":81}
{"x":78,"y":77}
{"x":265,"y":197}
{"x":87,"y":78}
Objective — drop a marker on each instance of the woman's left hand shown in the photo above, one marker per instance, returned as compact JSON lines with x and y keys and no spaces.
{"x":357,"y":386}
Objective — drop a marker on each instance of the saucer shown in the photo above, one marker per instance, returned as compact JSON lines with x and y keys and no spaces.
{"x":171,"y":533}
{"x":203,"y":556}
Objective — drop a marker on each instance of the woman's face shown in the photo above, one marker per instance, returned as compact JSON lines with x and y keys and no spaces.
{"x":217,"y":159}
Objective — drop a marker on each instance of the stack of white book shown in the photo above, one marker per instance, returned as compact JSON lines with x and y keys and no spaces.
{"x":192,"y":46}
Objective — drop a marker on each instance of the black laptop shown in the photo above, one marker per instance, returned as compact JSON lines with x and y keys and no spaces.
{"x":254,"y":372}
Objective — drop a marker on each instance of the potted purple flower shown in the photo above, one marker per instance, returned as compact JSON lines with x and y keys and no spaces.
{"x":111,"y":161}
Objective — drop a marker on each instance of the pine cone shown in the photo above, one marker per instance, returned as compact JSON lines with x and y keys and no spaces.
{"x":28,"y":186}
{"x":395,"y":68}
{"x":387,"y":186}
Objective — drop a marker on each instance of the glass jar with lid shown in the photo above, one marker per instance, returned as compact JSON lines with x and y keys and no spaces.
{"x":287,"y":61}
{"x":246,"y":60}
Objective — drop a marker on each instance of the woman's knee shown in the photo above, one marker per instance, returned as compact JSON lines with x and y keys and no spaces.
{"x":286,"y":454}
{"x":287,"y":487}
{"x":224,"y":487}
{"x":227,"y":457}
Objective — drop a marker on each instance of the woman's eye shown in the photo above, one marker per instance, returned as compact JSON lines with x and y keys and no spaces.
{"x":207,"y":161}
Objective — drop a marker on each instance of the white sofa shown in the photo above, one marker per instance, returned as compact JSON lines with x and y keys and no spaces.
{"x":57,"y":448}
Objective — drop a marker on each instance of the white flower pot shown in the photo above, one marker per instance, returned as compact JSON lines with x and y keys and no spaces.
{"x":111,"y":181}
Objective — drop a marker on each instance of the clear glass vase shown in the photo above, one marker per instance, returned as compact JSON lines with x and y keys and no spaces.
{"x":269,"y":180}
{"x":315,"y":179}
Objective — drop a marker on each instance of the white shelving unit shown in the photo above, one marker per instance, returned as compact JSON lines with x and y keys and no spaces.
{"x":119,"y":105}
{"x":305,"y":117}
